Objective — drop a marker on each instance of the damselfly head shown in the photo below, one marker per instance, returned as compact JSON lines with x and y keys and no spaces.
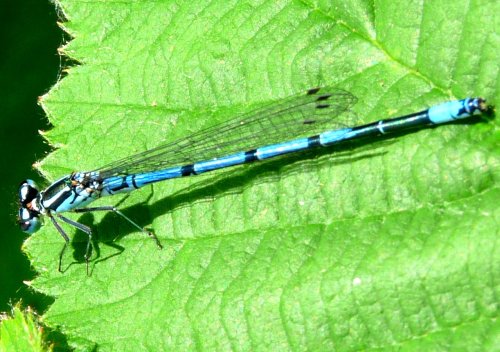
{"x":28,"y":190}
{"x":483,"y":107}
{"x":29,"y":221}
{"x":29,"y":215}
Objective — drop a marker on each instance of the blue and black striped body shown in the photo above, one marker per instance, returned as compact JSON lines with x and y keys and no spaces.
{"x":217,"y":148}
{"x":277,"y":129}
{"x":439,"y":114}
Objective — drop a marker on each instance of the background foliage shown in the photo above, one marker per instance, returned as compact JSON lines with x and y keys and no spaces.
{"x":29,"y":65}
{"x":373,"y":249}
{"x":21,"y":332}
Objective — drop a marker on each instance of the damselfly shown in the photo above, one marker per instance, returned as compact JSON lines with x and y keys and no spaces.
{"x":287,"y":126}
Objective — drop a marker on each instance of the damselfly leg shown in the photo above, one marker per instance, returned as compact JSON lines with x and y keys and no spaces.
{"x":88,"y":231}
{"x":116,"y":211}
{"x":61,"y":231}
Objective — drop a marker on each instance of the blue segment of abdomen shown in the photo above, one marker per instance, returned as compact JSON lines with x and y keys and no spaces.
{"x":282,"y":148}
{"x":123,"y":184}
{"x":331,"y":137}
{"x":219,"y":163}
{"x":450,"y":111}
{"x":155,"y":176}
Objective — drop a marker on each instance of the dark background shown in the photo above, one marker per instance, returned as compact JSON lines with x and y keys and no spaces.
{"x":29,"y":66}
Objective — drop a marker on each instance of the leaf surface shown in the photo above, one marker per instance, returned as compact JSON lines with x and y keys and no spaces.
{"x":391,"y":245}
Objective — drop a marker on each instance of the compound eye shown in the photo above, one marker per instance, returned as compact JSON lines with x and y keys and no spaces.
{"x":28,"y":190}
{"x":28,"y":222}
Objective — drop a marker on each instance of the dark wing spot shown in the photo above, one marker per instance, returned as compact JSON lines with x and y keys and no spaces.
{"x":322,"y":106}
{"x":323,"y":97}
{"x":313,"y":91}
{"x":309,"y":122}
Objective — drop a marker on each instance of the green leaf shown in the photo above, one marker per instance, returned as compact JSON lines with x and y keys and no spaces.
{"x":388,"y":246}
{"x":20,"y":332}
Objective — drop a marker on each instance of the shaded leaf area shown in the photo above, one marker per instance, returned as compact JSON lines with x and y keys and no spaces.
{"x":384,"y":245}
